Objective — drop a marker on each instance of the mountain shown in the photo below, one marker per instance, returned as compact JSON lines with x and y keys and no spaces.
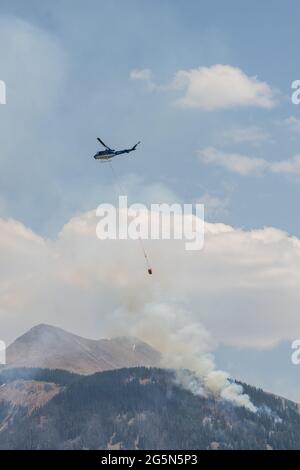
{"x":62,"y":391}
{"x":135,"y":408}
{"x":47,"y":346}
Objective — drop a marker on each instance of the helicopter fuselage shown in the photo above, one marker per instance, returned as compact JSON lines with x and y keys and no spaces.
{"x":108,"y":154}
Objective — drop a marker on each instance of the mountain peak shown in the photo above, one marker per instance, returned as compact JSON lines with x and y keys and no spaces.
{"x":52,"y":347}
{"x":41,"y":328}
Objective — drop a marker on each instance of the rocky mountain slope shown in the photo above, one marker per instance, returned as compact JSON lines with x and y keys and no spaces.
{"x":51,"y":347}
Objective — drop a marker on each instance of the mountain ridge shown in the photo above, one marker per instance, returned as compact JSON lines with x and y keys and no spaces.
{"x":48,"y":346}
{"x":135,"y":408}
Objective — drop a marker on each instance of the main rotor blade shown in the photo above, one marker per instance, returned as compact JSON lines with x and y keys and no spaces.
{"x":101,"y":142}
{"x":135,"y":146}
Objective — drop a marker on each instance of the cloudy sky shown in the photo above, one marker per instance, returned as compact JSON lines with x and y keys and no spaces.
{"x":207,"y":89}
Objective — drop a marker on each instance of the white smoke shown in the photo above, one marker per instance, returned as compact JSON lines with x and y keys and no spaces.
{"x":183,"y":345}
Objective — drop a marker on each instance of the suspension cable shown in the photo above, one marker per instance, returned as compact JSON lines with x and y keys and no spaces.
{"x":121,"y":191}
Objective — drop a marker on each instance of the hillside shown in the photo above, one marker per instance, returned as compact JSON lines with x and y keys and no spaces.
{"x":137,"y":408}
{"x":47,"y":346}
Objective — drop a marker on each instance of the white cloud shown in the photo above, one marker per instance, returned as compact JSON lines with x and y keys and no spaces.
{"x":290,"y":166}
{"x":221,"y":87}
{"x":293,"y":124}
{"x":251,"y":134}
{"x":214,"y":206}
{"x":237,"y":163}
{"x":243,"y":286}
{"x":143,"y":75}
{"x":245,"y":165}
{"x":215,"y":87}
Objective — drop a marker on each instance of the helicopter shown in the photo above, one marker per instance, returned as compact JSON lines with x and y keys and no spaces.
{"x":106,"y":156}
{"x":109,"y":153}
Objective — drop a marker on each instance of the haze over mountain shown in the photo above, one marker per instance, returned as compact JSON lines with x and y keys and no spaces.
{"x":50,"y":347}
{"x":137,"y":408}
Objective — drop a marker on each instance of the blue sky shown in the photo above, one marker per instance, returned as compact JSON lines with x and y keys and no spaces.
{"x":103,"y":42}
{"x":67,"y":68}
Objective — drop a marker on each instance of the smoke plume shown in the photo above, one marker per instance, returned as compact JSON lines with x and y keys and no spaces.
{"x":184,"y":345}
